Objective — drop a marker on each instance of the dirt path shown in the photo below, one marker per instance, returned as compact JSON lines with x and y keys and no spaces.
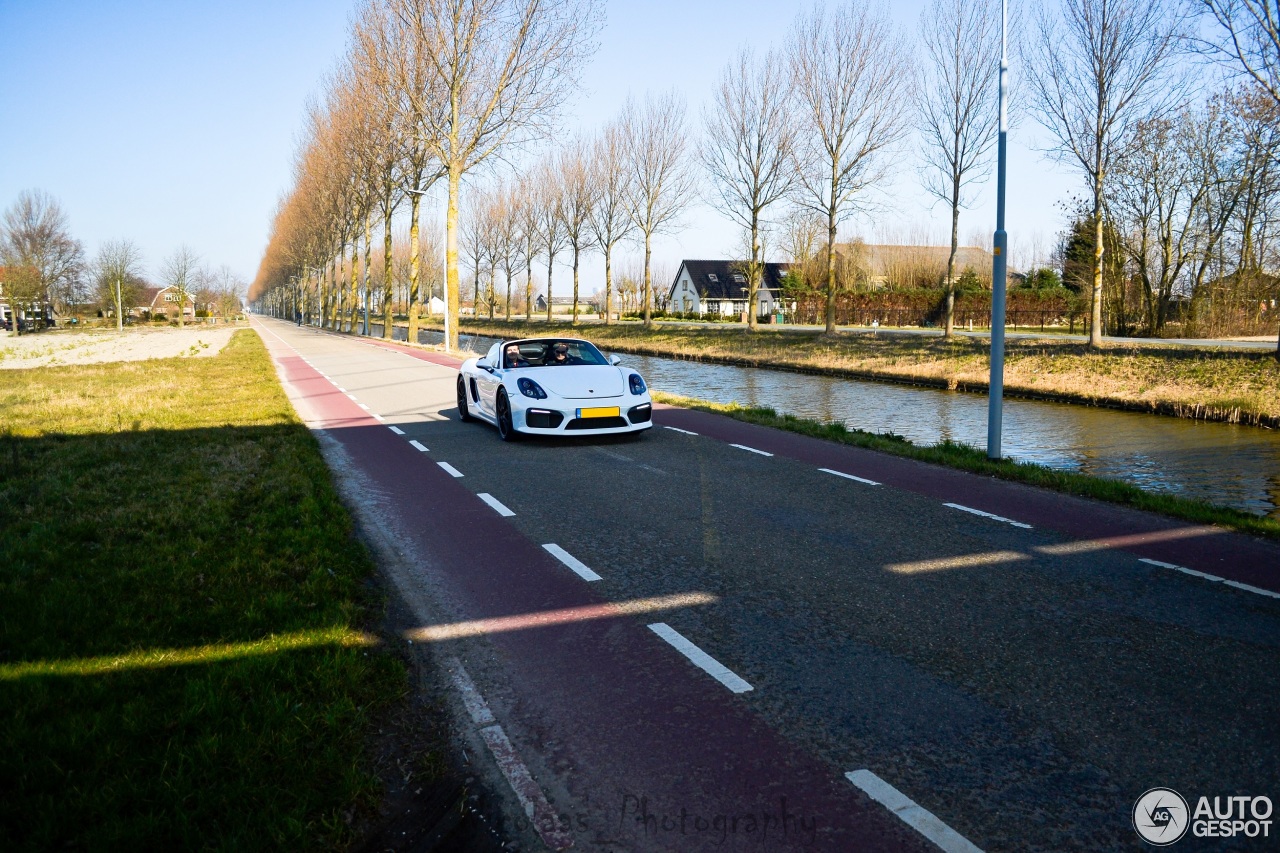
{"x":48,"y":349}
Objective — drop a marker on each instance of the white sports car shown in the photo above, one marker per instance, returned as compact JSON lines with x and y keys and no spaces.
{"x":552,"y":386}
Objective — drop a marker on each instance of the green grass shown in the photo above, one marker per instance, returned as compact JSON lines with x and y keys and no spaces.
{"x":182,"y":660}
{"x":966,"y":458}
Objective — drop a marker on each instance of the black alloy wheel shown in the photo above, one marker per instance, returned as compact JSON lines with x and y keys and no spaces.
{"x":464,"y":413}
{"x":506,"y":429}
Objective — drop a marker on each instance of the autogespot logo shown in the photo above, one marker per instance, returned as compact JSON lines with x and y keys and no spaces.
{"x":1160,"y":816}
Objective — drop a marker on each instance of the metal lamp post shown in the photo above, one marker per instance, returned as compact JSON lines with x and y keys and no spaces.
{"x":1000,"y":251}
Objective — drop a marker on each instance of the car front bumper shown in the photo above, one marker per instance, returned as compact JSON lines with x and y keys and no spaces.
{"x":540,"y":420}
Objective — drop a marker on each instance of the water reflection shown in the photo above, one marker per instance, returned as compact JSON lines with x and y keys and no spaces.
{"x":1227,"y":464}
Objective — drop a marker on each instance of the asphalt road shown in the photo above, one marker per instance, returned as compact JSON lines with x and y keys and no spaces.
{"x":1023,"y":675}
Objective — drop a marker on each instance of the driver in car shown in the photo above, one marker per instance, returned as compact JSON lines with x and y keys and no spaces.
{"x":514,"y":358}
{"x":560,"y":355}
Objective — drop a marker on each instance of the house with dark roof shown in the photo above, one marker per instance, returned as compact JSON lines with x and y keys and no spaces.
{"x":164,"y":300}
{"x":720,"y":287}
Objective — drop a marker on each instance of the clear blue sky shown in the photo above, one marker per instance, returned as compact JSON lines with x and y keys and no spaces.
{"x":176,"y":122}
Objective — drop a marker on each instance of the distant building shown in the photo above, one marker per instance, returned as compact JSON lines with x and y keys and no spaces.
{"x":164,"y":300}
{"x":38,"y":312}
{"x":561,"y":304}
{"x":720,"y":287}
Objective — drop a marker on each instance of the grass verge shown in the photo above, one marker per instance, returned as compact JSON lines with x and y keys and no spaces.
{"x":1207,"y":384}
{"x":182,"y":660}
{"x":966,"y":458}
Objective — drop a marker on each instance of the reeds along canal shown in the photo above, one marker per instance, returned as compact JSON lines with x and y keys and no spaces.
{"x":1226,"y":464}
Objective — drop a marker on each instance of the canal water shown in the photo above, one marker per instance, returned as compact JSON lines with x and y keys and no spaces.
{"x":1226,"y":464}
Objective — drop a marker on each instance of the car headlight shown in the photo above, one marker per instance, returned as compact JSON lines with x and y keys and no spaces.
{"x":529,"y":388}
{"x":637,"y":384}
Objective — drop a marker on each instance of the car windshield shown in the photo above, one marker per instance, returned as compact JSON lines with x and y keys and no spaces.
{"x":552,"y":352}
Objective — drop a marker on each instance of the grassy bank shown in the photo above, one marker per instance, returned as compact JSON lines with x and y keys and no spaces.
{"x":184,"y":661}
{"x":971,"y":459}
{"x":1236,"y":387}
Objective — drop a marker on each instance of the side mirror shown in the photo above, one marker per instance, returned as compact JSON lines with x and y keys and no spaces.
{"x":614,"y":360}
{"x":483,"y":364}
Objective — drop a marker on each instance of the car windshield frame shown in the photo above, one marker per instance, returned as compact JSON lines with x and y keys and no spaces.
{"x":539,"y":352}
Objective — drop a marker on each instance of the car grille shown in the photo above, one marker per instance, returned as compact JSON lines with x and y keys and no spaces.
{"x":596,"y":423}
{"x":542,"y":419}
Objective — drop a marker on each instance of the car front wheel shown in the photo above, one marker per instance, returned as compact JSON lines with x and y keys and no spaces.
{"x":464,"y":413}
{"x":506,"y":429}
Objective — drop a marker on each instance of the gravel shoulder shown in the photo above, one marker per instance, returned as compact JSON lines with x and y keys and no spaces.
{"x":97,"y":346}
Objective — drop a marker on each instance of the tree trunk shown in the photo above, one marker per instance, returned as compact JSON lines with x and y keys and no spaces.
{"x":648,"y":317}
{"x":388,"y":276}
{"x":550,"y":260}
{"x":753,"y":275}
{"x":354,"y":313}
{"x":528,"y":290}
{"x":831,"y":271}
{"x":368,"y":260}
{"x":1095,"y":304}
{"x":949,"y":320}
{"x":575,"y":287}
{"x":608,"y":284}
{"x":414,"y":202}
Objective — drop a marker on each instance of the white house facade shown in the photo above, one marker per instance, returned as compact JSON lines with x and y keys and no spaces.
{"x":720,"y":287}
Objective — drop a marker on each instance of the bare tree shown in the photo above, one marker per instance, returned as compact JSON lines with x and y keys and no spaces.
{"x":117,"y":276}
{"x":661,"y":182}
{"x":746,"y":148}
{"x":550,"y":200}
{"x":608,"y":219}
{"x":1094,"y":74}
{"x":179,"y":272}
{"x":578,"y":202}
{"x":1155,"y":202}
{"x":42,"y":260}
{"x":528,"y":214}
{"x":374,"y":50}
{"x":1247,"y":35}
{"x":509,"y":238}
{"x":848,"y":71}
{"x":957,"y":113}
{"x":500,"y":71}
{"x":478,"y":225}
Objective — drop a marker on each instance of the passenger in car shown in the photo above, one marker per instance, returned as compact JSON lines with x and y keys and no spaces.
{"x":514,"y":358}
{"x":560,"y":355}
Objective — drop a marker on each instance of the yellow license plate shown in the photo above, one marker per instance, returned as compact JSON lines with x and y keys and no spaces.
{"x":599,"y":412}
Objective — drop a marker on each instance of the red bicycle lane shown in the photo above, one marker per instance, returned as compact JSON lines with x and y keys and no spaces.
{"x":646,"y":751}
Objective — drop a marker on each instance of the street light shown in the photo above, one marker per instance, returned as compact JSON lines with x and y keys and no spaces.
{"x":995,"y":396}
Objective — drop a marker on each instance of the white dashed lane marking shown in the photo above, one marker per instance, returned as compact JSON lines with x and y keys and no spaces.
{"x":396,"y":430}
{"x":453,"y":472}
{"x":751,"y":449}
{"x":1212,"y":578}
{"x":700,"y":659}
{"x":495,"y":503}
{"x":910,"y":813}
{"x":991,"y":516}
{"x":849,"y":476}
{"x":578,"y":567}
{"x":418,"y":445}
{"x":677,"y":429}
